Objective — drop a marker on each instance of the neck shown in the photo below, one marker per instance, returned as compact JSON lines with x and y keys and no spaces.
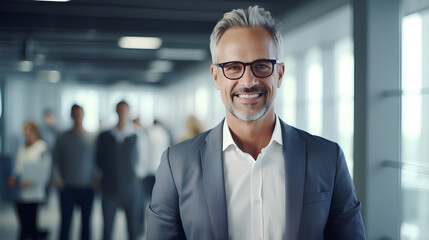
{"x":30,"y":142}
{"x":251,"y":137}
{"x":78,"y":128}
{"x":121,"y":124}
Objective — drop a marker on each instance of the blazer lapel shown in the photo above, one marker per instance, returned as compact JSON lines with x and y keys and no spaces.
{"x":294,"y":150}
{"x":212,"y":168}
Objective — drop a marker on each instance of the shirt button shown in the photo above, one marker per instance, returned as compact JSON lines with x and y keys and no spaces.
{"x":257,"y":201}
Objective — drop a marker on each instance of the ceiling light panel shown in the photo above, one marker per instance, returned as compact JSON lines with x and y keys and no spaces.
{"x":140,"y":42}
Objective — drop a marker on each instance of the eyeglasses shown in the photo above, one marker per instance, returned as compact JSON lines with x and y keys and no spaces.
{"x":261,"y":68}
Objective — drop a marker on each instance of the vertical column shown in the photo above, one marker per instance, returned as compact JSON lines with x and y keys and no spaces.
{"x":376,"y":29}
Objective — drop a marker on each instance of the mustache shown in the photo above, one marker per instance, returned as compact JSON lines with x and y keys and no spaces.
{"x":255,"y":88}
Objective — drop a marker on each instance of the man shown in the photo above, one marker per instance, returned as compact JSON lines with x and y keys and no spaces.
{"x":75,"y":173}
{"x":252,"y":176}
{"x":117,"y":159}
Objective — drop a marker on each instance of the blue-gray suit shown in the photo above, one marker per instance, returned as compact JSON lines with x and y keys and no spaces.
{"x":188,"y":200}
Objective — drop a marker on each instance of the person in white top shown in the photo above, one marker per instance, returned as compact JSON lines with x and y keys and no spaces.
{"x":253,"y":176}
{"x":31,"y":174}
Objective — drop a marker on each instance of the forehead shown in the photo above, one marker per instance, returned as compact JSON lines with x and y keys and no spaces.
{"x":28,"y":127}
{"x":122,"y":105}
{"x":246,"y":44}
{"x":77,"y":109}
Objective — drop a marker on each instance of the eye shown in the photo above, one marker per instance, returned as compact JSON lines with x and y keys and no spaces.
{"x":262,"y":66}
{"x":233,"y":67}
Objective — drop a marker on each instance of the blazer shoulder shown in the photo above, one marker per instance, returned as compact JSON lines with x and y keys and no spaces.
{"x":104,"y":134}
{"x":190,"y":146}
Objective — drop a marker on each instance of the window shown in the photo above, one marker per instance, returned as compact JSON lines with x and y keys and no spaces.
{"x":415,"y":134}
{"x":289,"y":91}
{"x":201,"y":103}
{"x":89,"y":100}
{"x":344,"y":81}
{"x":314,"y":78}
{"x":318,"y":85}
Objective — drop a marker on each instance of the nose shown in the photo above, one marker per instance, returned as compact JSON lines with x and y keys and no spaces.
{"x":248,"y":79}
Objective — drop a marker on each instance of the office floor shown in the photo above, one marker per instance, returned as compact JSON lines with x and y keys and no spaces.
{"x":49,"y":218}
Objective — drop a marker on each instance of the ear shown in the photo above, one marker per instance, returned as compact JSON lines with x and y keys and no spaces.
{"x":281,"y":67}
{"x":214,"y":70}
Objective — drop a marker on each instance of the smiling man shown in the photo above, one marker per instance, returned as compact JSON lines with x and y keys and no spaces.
{"x":252,"y":176}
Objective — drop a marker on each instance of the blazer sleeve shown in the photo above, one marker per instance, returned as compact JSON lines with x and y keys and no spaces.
{"x":345,"y":220}
{"x":163,"y":213}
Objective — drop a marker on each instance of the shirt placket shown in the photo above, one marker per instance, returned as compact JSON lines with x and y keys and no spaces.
{"x":256,"y":199}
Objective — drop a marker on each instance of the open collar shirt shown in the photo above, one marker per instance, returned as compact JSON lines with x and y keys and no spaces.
{"x":255,"y":190}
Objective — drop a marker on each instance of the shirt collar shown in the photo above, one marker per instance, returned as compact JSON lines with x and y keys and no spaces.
{"x":227,"y":137}
{"x":120,"y":135}
{"x":229,"y":141}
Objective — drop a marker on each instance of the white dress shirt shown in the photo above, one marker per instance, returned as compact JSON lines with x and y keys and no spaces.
{"x":255,"y":190}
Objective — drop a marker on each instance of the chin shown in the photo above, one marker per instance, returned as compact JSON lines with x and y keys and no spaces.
{"x":249,"y":117}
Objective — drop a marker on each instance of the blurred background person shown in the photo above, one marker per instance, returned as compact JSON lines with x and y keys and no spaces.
{"x":159,"y":140}
{"x":117,"y":159}
{"x":31,"y":174}
{"x":75,"y":173}
{"x":138,"y":125}
{"x":193,"y":128}
{"x":143,"y":149}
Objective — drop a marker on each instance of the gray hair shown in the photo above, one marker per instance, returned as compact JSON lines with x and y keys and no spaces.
{"x":252,"y":17}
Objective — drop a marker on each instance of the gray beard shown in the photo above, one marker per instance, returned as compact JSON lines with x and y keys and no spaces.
{"x":248,"y":117}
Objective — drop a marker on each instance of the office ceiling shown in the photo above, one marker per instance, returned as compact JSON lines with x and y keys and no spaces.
{"x":78,"y":40}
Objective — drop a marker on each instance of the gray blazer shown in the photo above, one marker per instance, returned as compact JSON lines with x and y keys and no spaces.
{"x":188,"y":200}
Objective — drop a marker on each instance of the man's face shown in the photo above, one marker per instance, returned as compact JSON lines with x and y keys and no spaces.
{"x":78,"y":115}
{"x":49,"y":119}
{"x":123,"y":109}
{"x":248,"y":98}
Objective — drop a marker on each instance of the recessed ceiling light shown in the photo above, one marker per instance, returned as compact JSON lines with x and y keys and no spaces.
{"x":140,"y":42}
{"x":25,"y":66}
{"x":52,"y":76}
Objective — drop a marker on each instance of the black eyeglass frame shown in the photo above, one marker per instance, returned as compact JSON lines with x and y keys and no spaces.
{"x":221,"y":65}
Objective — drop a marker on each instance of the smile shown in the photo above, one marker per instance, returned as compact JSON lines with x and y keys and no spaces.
{"x":249,"y":95}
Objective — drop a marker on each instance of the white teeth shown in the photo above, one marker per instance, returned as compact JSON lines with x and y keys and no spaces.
{"x":248,"y":96}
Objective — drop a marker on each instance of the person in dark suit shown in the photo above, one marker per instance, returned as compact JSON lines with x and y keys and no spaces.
{"x":253,"y":176}
{"x":117,"y":158}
